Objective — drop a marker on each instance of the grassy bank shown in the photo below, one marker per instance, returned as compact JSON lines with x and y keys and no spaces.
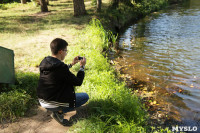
{"x":118,"y":17}
{"x":112,"y":106}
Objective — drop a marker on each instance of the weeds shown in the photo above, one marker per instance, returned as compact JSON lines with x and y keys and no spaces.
{"x":112,"y":106}
{"x":16,"y":99}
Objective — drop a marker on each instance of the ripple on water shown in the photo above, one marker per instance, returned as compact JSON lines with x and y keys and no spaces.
{"x":165,"y":49}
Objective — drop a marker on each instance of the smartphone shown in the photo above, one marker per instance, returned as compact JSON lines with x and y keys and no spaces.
{"x":80,"y":58}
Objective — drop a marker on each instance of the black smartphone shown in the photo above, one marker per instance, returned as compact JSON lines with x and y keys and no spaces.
{"x":80,"y":58}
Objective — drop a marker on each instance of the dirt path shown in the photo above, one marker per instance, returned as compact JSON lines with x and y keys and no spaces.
{"x":40,"y":121}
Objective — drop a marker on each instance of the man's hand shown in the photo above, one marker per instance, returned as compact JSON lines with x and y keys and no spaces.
{"x":75,"y":60}
{"x":83,"y":62}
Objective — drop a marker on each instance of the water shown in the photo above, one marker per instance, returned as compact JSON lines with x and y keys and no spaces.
{"x":164,"y":49}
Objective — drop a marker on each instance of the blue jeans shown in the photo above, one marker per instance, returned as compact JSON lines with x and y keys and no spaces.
{"x":81,"y":98}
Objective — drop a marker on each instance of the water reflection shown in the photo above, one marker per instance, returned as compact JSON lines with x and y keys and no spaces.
{"x":164,"y":49}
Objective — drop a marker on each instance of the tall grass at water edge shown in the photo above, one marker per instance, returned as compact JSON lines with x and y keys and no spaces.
{"x":112,"y":107}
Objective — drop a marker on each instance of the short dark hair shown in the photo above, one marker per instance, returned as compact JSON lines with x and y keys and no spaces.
{"x":57,"y":45}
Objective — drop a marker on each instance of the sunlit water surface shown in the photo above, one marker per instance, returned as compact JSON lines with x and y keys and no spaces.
{"x":165,"y":49}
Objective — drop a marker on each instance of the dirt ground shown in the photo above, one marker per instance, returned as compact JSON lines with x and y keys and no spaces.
{"x":39,"y":120}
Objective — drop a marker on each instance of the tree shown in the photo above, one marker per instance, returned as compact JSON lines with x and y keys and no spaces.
{"x":44,"y":7}
{"x":99,"y":5}
{"x":115,"y":3}
{"x":127,"y":2}
{"x":79,"y":7}
{"x":38,"y":2}
{"x":23,"y":1}
{"x":138,"y":1}
{"x":47,"y":2}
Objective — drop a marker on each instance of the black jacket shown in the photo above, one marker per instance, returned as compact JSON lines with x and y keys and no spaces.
{"x":56,"y":83}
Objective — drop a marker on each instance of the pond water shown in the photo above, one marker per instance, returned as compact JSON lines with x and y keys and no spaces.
{"x":164,"y":49}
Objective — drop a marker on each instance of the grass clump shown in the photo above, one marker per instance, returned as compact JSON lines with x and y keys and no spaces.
{"x":112,"y":107}
{"x":13,"y":104}
{"x":16,"y":99}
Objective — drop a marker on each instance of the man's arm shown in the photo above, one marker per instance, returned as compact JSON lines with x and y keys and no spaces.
{"x":74,"y":80}
{"x":70,"y":77}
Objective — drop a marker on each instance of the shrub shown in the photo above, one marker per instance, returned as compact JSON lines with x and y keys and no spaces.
{"x":15,"y":100}
{"x":14,"y":104}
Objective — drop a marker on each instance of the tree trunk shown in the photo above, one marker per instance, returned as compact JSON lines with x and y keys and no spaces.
{"x":44,"y":7}
{"x":99,"y":5}
{"x":47,"y":2}
{"x":79,"y":7}
{"x":23,"y":1}
{"x":115,"y":3}
{"x":127,"y":2}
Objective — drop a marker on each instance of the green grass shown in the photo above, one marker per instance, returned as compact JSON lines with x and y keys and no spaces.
{"x":112,"y":106}
{"x":16,"y":99}
{"x":29,"y":33}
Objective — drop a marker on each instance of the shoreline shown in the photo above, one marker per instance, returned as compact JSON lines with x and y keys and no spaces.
{"x":160,"y":115}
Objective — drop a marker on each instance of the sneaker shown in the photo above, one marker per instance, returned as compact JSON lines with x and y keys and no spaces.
{"x":59,"y":117}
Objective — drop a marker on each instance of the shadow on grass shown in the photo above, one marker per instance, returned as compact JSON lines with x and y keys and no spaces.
{"x":28,"y":82}
{"x":108,"y":116}
{"x":24,"y":81}
{"x":109,"y":112}
{"x":33,"y":24}
{"x":16,"y":99}
{"x":63,"y":5}
{"x":60,"y":14}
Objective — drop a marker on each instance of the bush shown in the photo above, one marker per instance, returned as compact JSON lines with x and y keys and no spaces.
{"x":2,"y":6}
{"x":14,"y":104}
{"x":27,"y":82}
{"x":16,"y":99}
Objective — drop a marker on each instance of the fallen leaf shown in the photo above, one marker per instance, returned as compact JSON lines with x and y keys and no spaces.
{"x":180,"y":90}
